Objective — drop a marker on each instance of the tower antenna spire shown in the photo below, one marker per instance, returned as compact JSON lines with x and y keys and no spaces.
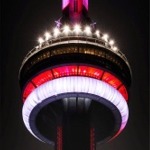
{"x":75,"y":10}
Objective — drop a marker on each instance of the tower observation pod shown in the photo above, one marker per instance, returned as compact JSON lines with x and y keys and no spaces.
{"x":75,"y":84}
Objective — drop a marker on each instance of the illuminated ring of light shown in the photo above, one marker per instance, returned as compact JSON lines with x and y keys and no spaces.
{"x":75,"y":84}
{"x":75,"y":70}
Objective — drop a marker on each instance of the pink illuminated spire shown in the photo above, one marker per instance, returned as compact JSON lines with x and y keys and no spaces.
{"x":75,"y":3}
{"x":86,"y":4}
{"x":76,"y":10}
{"x":65,"y":3}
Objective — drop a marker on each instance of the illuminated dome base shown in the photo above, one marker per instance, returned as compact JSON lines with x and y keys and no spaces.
{"x":102,"y":106}
{"x":76,"y":117}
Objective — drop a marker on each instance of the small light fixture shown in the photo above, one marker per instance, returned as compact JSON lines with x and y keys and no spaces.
{"x":77,"y":28}
{"x":47,"y":36}
{"x":115,"y":48}
{"x":56,"y":32}
{"x":40,"y":40}
{"x":105,"y":37}
{"x":87,"y":30}
{"x":66,"y":29}
{"x":111,"y":42}
{"x":97,"y":33}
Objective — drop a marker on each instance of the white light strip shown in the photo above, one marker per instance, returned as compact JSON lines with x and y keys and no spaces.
{"x":75,"y":84}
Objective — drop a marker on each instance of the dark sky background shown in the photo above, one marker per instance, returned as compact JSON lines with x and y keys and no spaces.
{"x":23,"y":21}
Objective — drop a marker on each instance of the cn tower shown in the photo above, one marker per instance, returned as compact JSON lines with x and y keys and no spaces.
{"x":75,"y":83}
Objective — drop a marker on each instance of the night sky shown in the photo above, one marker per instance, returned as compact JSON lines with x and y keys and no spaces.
{"x":23,"y":21}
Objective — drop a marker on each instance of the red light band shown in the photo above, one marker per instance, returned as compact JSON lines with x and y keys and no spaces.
{"x":75,"y":70}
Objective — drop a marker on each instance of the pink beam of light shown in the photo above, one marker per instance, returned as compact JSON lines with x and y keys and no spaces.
{"x":86,"y":4}
{"x":76,"y":6}
{"x":65,"y":3}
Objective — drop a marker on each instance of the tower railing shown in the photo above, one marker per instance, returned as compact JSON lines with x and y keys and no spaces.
{"x":74,"y":39}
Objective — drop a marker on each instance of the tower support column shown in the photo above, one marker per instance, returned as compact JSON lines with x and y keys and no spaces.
{"x":59,"y":138}
{"x":92,"y":139}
